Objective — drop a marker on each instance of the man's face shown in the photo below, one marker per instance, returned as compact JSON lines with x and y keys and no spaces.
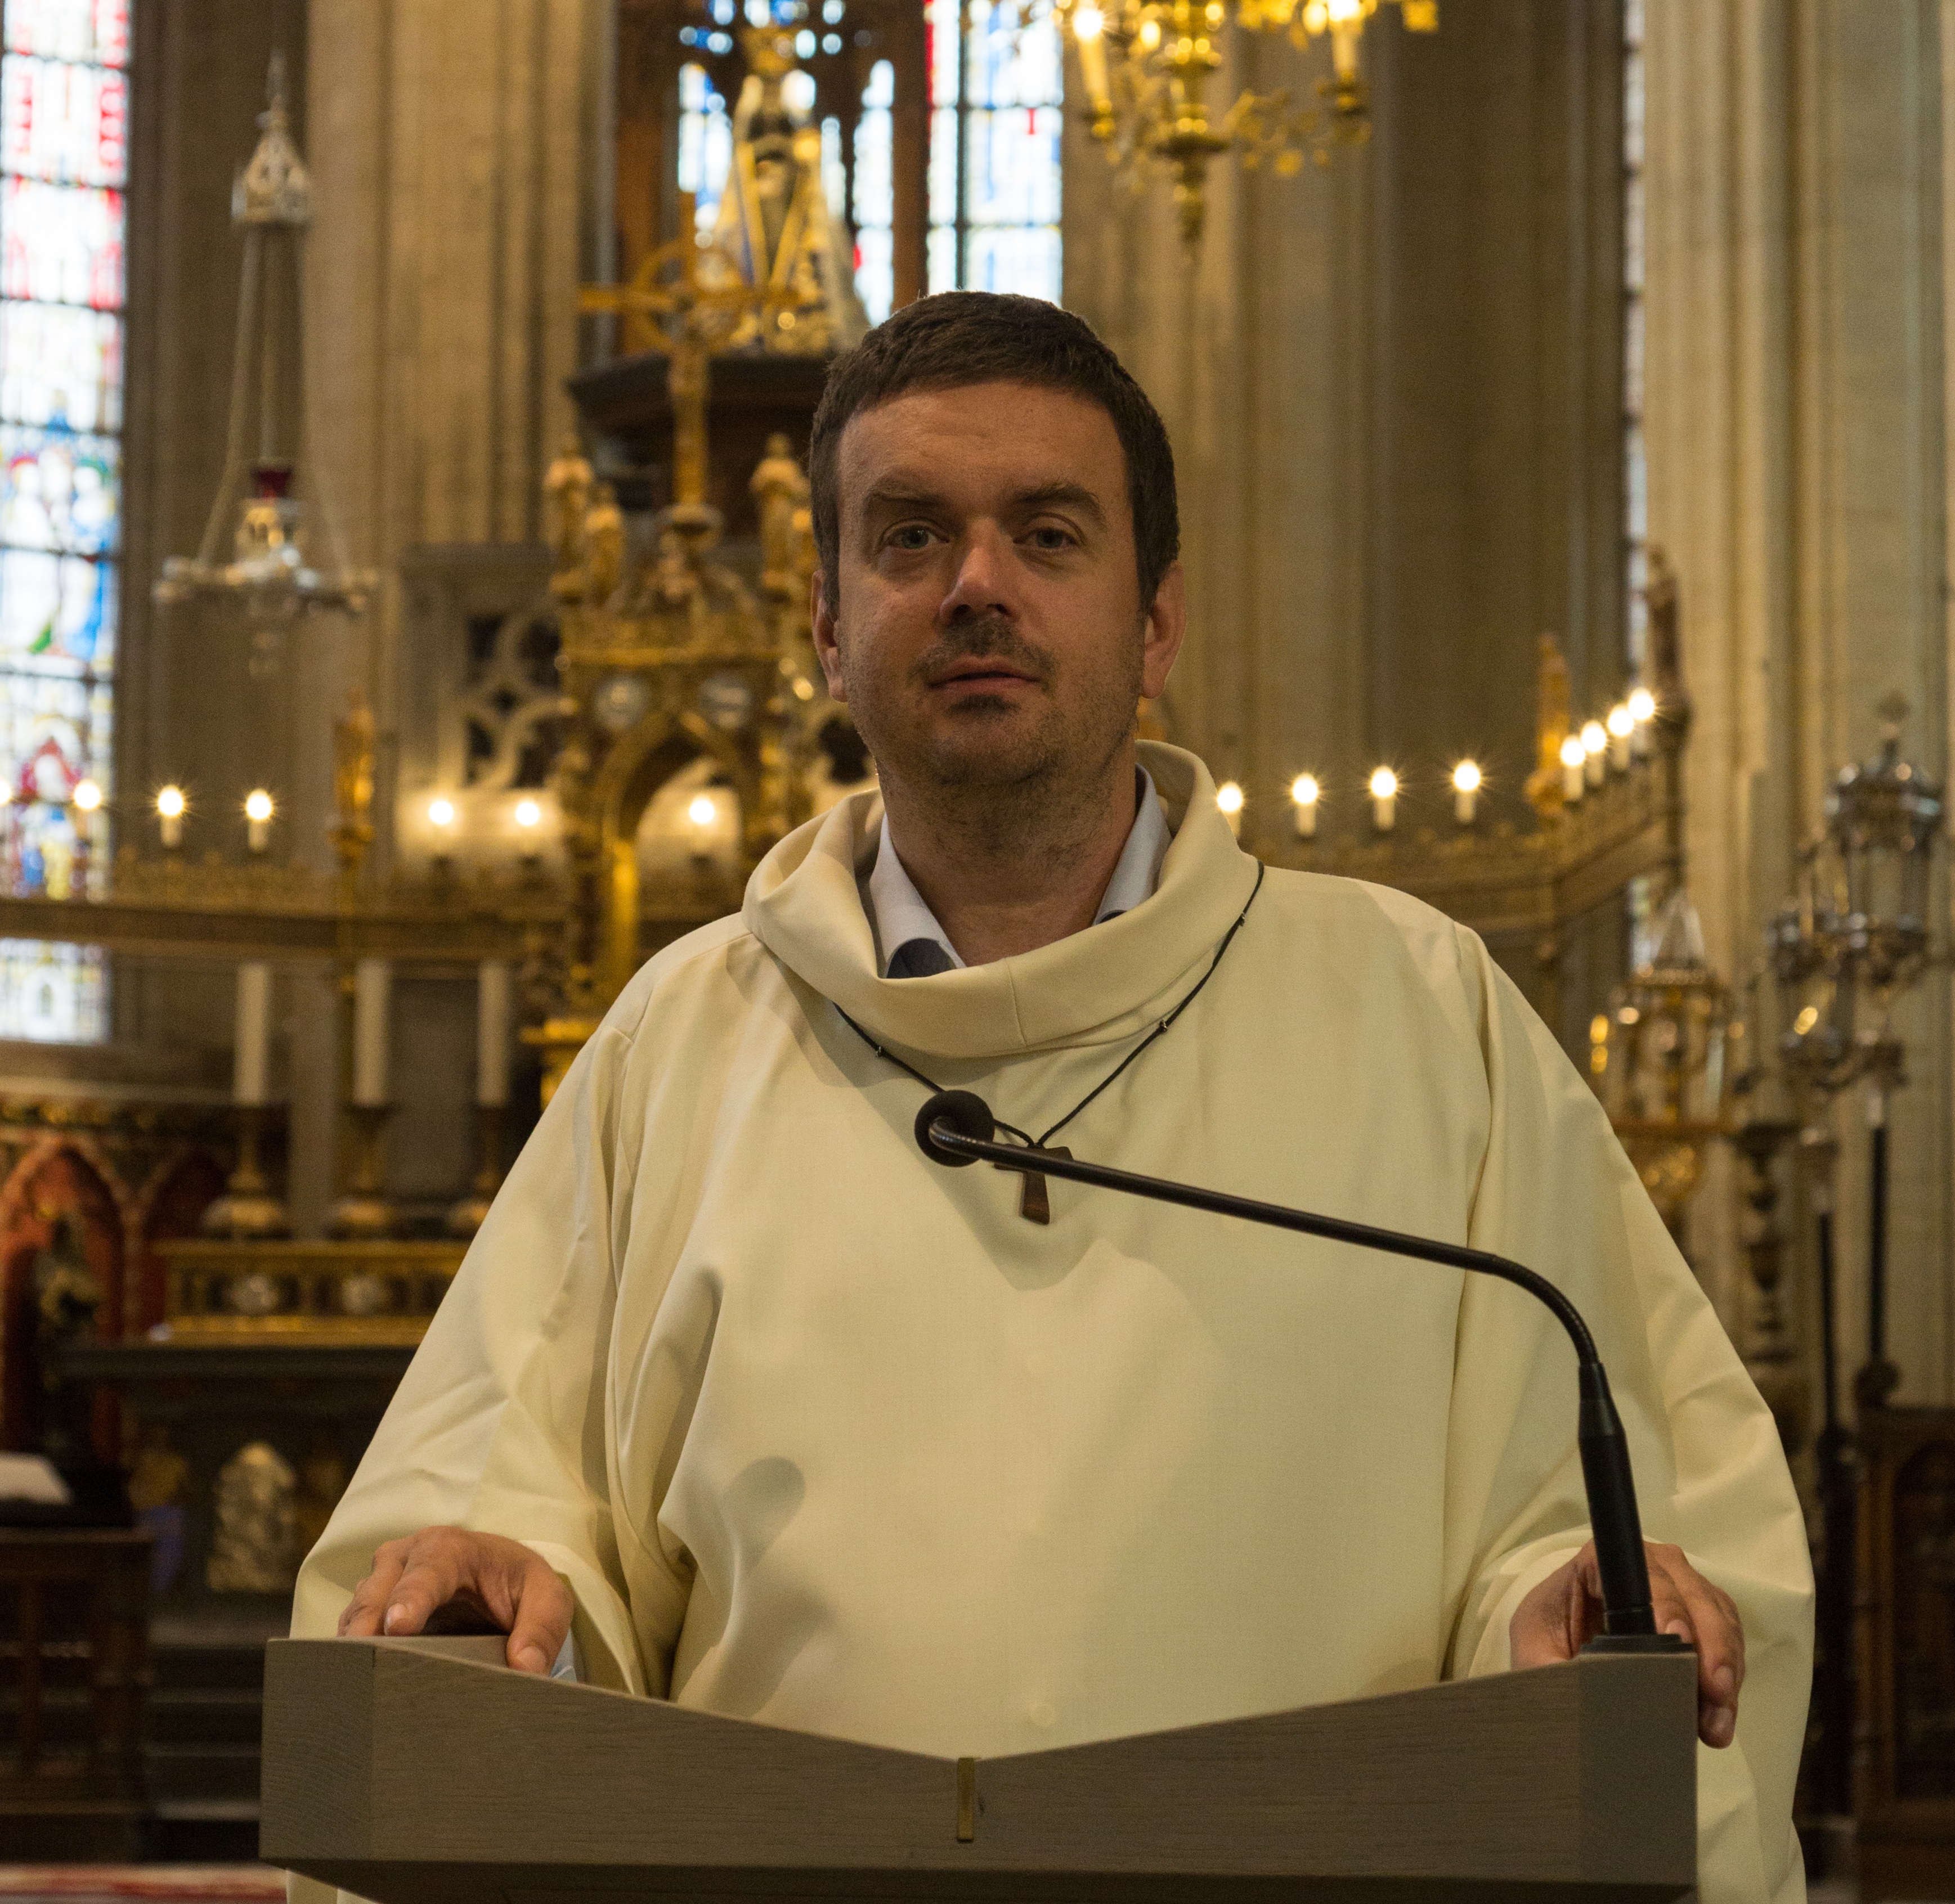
{"x":988,"y":629}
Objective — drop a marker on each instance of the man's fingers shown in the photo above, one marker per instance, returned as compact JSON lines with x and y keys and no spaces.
{"x":1707,"y":1618}
{"x":361,"y":1620}
{"x":429,"y":1579}
{"x":543,"y":1615}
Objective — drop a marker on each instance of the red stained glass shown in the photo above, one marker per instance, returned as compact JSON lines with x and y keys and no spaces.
{"x":68,"y":125}
{"x":96,"y":31}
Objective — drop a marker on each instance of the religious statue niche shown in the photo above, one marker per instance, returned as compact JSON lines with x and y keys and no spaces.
{"x":865,"y":71}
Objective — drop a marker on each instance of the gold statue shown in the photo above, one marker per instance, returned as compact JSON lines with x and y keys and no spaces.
{"x":1551,"y":720}
{"x":776,"y":225}
{"x":353,"y":777}
{"x":603,"y":546}
{"x":567,"y":486}
{"x":780,"y":487}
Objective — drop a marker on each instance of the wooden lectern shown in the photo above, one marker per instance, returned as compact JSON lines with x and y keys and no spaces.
{"x":424,"y":1771}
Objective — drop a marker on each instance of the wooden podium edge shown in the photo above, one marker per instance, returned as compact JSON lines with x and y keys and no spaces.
{"x":340,"y":1741}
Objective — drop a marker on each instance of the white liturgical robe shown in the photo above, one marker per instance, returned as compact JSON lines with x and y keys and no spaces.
{"x":825,"y":1435}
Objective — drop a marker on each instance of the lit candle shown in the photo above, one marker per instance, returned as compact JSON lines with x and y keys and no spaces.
{"x":250,"y":1060}
{"x":373,"y":983}
{"x":1228,"y":799}
{"x":704,"y":812}
{"x":1594,"y":745}
{"x":170,"y":805}
{"x":441,"y":813}
{"x":1622,"y":731}
{"x":529,"y":815}
{"x":1574,"y":762}
{"x":258,"y":811}
{"x":491,"y":1033}
{"x":1305,"y":793}
{"x":1384,"y":799}
{"x":1465,"y":791}
{"x":1088,"y":24}
{"x":1642,"y":711}
{"x":88,"y":796}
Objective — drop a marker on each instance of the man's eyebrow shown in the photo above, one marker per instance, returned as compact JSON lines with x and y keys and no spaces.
{"x":904,"y":492}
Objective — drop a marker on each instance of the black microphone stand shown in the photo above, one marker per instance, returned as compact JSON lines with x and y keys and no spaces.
{"x":956,"y":1127}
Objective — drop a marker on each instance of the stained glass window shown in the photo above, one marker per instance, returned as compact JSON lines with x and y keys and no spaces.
{"x":874,"y":208}
{"x":64,"y":153}
{"x":996,"y":96}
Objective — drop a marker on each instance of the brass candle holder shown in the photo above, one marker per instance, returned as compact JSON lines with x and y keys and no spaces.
{"x":248,"y":1210}
{"x":364,"y":1211}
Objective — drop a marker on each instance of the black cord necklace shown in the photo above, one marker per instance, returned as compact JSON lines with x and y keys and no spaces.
{"x":1034,"y":1200}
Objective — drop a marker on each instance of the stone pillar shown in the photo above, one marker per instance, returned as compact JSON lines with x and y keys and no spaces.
{"x":455,"y":151}
{"x":1795,"y":410}
{"x":454,"y":157}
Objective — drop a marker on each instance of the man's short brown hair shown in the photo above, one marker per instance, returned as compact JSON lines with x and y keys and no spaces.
{"x":959,"y":337}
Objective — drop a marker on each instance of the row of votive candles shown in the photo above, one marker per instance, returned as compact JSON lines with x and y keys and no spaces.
{"x":173,"y":806}
{"x":1306,"y":795}
{"x":1586,"y":757}
{"x":372,"y":1001}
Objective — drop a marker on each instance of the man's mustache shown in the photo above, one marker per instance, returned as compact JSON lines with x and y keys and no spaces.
{"x":986,"y":638}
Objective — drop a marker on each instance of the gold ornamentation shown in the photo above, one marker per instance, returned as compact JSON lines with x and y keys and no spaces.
{"x":255,"y":1548}
{"x":1145,"y":65}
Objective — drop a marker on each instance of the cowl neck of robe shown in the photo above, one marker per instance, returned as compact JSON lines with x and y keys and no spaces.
{"x":805,"y":905}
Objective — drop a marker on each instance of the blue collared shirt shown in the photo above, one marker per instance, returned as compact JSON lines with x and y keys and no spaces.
{"x":911,"y":944}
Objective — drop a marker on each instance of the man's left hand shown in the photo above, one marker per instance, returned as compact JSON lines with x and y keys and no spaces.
{"x":1564,"y":1613}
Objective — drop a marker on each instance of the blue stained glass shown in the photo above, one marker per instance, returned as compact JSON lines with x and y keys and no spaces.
{"x":875,"y":272}
{"x":52,"y":994}
{"x":1022,"y":258}
{"x":1014,"y":161}
{"x":94,"y":30}
{"x":705,"y":144}
{"x":62,"y":245}
{"x":994,"y":206}
{"x":58,"y":490}
{"x":57,"y":612}
{"x":60,"y":365}
{"x":54,"y":734}
{"x":68,"y":124}
{"x":874,"y":208}
{"x":940,"y":259}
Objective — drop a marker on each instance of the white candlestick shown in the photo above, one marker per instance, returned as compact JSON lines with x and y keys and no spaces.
{"x":373,"y":983}
{"x":171,"y":826}
{"x":492,"y":1034}
{"x":250,"y":1061}
{"x":1465,"y":800}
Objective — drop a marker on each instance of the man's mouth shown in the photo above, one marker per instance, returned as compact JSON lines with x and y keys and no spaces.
{"x":983,"y":671}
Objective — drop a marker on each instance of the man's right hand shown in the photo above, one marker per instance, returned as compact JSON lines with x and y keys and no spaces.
{"x":500,"y":1579}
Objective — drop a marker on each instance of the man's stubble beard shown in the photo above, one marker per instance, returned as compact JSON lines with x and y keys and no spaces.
{"x":1006,"y":784}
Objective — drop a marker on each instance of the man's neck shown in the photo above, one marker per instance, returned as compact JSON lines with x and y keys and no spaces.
{"x":1000,"y":889}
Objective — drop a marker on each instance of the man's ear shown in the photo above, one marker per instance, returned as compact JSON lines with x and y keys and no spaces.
{"x":1161,"y":634}
{"x":827,"y":643}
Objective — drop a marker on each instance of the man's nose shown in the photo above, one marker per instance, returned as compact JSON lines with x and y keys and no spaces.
{"x":984,"y":583}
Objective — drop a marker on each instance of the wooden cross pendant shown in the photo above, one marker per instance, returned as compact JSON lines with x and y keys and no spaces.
{"x":1035,"y":1202}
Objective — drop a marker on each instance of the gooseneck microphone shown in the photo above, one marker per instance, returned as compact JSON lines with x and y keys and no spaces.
{"x":956,"y":1127}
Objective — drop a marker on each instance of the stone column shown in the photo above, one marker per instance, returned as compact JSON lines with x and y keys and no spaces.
{"x":455,"y":150}
{"x":1794,"y":409}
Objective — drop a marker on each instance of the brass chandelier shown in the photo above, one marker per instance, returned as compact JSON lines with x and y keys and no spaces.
{"x":1146,"y":65}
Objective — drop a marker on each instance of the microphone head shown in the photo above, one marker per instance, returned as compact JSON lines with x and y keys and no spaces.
{"x":966,"y":1113}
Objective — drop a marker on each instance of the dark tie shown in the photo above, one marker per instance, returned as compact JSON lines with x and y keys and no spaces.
{"x":919,"y":958}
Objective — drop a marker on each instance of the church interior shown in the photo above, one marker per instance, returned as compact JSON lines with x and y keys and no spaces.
{"x":405,"y":553}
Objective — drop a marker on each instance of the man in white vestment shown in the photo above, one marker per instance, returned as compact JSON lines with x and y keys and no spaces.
{"x":741,"y":1401}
